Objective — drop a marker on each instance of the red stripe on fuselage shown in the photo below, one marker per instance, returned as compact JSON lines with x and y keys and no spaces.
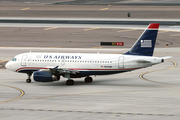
{"x":38,"y":68}
{"x":78,"y":69}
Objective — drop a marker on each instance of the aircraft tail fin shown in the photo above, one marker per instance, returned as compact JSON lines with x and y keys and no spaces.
{"x":146,"y":42}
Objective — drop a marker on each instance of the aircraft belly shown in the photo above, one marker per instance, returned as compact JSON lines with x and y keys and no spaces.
{"x":100,"y":72}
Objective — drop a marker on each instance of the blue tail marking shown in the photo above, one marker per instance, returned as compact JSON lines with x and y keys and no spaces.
{"x":146,"y":42}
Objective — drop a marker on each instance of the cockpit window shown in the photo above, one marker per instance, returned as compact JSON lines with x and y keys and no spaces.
{"x":14,"y":59}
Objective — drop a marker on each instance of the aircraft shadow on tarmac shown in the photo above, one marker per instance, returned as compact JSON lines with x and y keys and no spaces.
{"x":116,"y":82}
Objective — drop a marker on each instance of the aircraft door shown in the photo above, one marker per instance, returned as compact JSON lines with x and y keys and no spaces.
{"x":23,"y":60}
{"x":121,"y":62}
{"x":63,"y":62}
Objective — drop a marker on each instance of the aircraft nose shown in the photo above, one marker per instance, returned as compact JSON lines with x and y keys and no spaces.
{"x":8,"y":66}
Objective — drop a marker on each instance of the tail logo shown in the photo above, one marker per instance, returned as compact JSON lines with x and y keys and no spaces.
{"x":146,"y":43}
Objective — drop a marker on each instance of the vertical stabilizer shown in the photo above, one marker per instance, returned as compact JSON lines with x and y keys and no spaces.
{"x":146,"y":42}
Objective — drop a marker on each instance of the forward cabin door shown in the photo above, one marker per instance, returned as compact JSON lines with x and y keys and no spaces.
{"x":23,"y":60}
{"x":121,"y":62}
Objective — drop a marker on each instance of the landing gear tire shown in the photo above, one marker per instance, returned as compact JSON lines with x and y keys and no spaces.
{"x":70,"y":82}
{"x":28,"y":80}
{"x":88,"y":79}
{"x":29,"y":77}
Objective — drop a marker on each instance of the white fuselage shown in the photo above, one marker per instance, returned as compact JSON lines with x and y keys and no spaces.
{"x":86,"y":64}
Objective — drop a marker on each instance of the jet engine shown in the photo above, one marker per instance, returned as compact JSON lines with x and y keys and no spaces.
{"x":42,"y":76}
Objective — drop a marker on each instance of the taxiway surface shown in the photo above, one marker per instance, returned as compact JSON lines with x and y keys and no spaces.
{"x":81,"y":36}
{"x":150,"y":93}
{"x":21,"y":9}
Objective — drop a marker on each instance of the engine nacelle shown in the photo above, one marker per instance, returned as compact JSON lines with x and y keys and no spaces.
{"x":42,"y":76}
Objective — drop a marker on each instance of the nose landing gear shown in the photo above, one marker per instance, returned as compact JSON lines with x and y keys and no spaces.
{"x":29,"y":78}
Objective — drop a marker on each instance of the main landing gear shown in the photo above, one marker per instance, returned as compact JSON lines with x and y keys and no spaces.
{"x":29,"y":78}
{"x":71,"y":82}
{"x":88,"y":79}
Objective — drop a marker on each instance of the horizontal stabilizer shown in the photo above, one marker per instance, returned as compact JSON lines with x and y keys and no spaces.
{"x":166,"y":57}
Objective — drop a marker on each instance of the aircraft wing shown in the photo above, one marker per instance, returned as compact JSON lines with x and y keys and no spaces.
{"x":56,"y":70}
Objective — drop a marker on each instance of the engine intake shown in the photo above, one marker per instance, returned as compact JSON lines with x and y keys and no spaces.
{"x":42,"y":76}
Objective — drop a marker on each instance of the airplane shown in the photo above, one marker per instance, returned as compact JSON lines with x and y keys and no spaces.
{"x":49,"y":67}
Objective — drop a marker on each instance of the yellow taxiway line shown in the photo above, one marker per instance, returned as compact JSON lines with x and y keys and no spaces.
{"x":91,"y":29}
{"x":104,"y":8}
{"x":21,"y":93}
{"x":51,"y":28}
{"x":142,"y":75}
{"x":25,"y":9}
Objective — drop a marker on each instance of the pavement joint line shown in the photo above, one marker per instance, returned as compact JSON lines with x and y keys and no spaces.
{"x":142,"y":75}
{"x":96,"y":47}
{"x":55,"y":47}
{"x":126,"y":30}
{"x":81,"y":94}
{"x":90,"y":112}
{"x":20,"y":90}
{"x":163,"y":31}
{"x":175,"y":35}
